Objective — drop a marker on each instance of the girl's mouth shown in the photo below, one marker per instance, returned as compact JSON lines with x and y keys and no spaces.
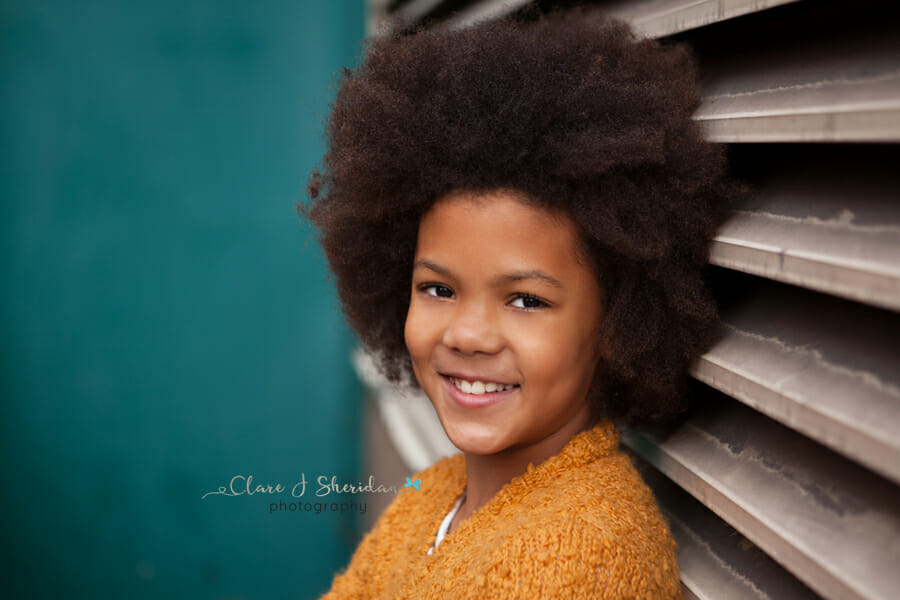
{"x":480,"y":387}
{"x":477,"y":393}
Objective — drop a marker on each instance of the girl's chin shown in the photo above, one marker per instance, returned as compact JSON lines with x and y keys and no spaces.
{"x":477,"y":440}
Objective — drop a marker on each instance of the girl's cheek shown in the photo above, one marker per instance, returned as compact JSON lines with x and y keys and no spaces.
{"x":416,"y":329}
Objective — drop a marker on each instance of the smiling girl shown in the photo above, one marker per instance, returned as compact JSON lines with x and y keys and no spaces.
{"x":517,"y":216}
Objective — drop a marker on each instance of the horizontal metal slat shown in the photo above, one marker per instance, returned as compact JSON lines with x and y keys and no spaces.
{"x":650,"y":18}
{"x":833,"y":525}
{"x":717,"y":562}
{"x":834,"y":230}
{"x":485,"y":11}
{"x":822,"y":366}
{"x":796,"y":116}
{"x":704,"y":574}
{"x":657,"y":18}
{"x":822,"y":90}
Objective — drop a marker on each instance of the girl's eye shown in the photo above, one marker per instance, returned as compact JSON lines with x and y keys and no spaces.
{"x":437,"y":290}
{"x":528,"y":302}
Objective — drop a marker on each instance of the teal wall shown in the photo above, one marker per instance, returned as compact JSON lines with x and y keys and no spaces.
{"x":166,"y":320}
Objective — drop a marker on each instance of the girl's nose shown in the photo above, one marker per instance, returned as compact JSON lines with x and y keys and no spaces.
{"x":473,"y":329}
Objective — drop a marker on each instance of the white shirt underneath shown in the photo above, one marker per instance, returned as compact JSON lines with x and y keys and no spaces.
{"x":445,"y":524}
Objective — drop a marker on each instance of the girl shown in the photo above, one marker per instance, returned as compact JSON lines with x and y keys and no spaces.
{"x":517,"y":215}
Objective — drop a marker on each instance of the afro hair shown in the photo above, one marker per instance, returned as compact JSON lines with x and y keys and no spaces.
{"x":576,"y":113}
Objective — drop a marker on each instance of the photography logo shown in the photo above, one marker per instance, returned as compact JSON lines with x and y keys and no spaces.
{"x":323,"y":500}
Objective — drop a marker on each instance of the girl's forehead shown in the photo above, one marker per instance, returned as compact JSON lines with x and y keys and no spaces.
{"x":499,"y":231}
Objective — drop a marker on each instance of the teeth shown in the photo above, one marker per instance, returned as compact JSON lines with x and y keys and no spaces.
{"x":480,"y":387}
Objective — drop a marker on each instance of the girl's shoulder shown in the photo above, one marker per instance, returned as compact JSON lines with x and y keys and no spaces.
{"x":596,"y":528}
{"x":604,"y":498}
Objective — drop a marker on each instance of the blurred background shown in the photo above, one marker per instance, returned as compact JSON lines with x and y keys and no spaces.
{"x":166,"y":319}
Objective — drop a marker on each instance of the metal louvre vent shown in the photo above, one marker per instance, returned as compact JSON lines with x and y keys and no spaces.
{"x":784,"y":479}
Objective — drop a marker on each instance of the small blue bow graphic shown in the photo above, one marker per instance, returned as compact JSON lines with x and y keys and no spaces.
{"x":411,"y":483}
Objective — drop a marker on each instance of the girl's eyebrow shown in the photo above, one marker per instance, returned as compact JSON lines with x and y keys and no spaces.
{"x":432,"y":266}
{"x":532,"y":274}
{"x":506,"y":278}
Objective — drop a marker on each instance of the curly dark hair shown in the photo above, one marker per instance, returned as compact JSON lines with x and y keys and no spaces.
{"x":577,"y":114}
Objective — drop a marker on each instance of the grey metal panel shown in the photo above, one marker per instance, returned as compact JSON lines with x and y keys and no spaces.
{"x":717,"y":562}
{"x":703,"y":573}
{"x":651,"y":18}
{"x":836,"y":231}
{"x":797,"y":117}
{"x":657,"y":18}
{"x":486,"y":11}
{"x":833,"y":525}
{"x":829,"y":90}
{"x":827,"y":368}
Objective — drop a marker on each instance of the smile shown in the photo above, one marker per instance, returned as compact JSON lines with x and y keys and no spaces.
{"x":474,"y":393}
{"x":480,"y":387}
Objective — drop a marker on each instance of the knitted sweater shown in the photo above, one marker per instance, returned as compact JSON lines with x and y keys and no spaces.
{"x":582,"y":524}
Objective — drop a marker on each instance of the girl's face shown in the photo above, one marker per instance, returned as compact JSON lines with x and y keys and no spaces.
{"x":502,"y":324}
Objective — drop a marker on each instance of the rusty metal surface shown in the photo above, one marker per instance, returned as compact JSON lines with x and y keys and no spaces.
{"x":833,"y":525}
{"x":827,"y":368}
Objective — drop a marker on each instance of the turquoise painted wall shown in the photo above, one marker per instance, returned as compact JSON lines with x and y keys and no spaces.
{"x":166,"y":320}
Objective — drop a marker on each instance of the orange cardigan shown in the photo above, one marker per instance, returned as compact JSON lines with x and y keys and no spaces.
{"x":582,"y":524}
